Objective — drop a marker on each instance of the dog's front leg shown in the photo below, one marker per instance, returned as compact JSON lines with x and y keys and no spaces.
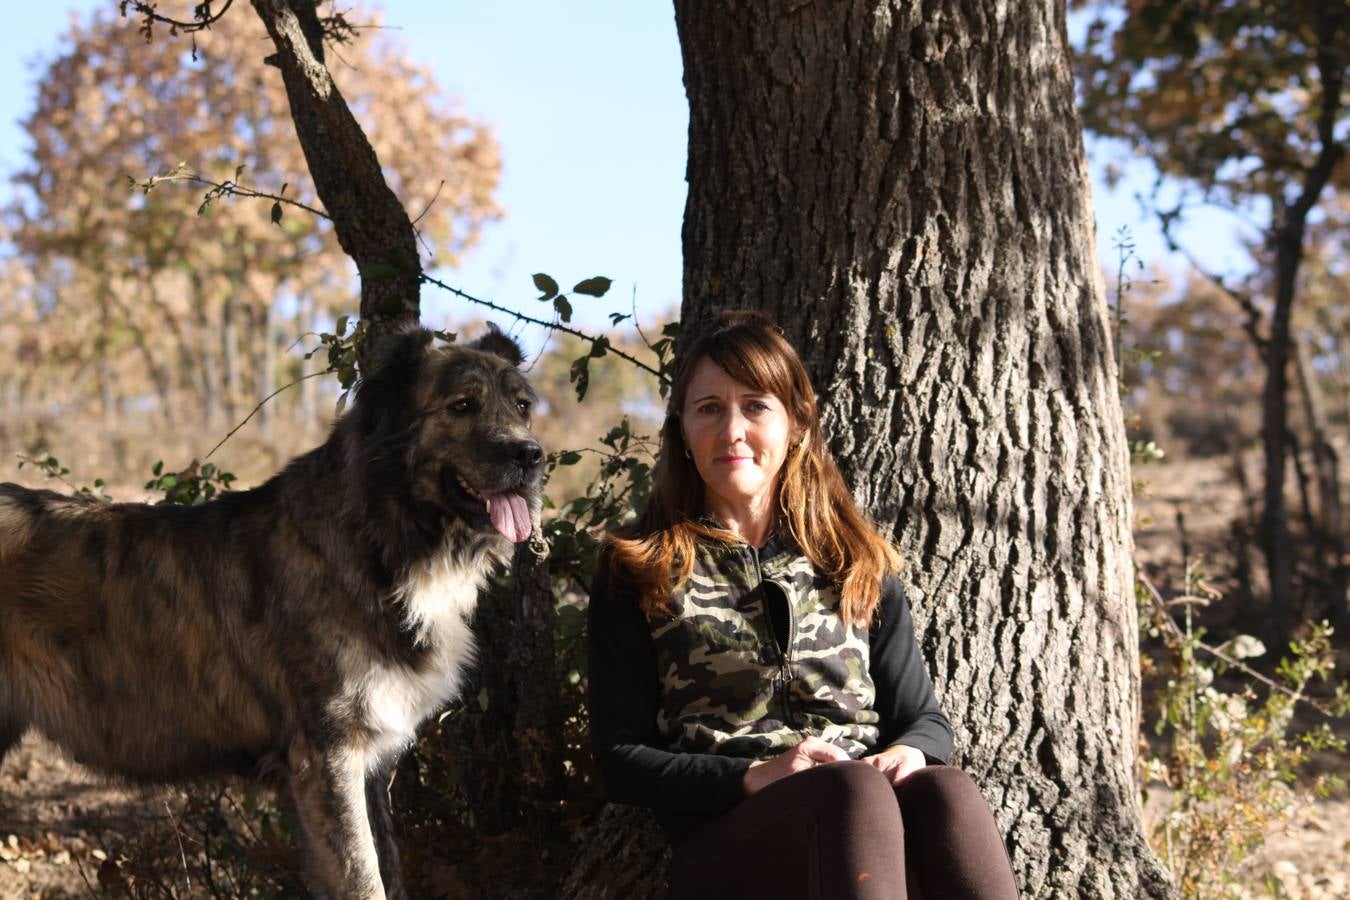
{"x":382,"y":824}
{"x":329,"y":790}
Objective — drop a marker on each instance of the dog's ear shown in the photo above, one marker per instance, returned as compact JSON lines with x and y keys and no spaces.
{"x":401,"y":348}
{"x":498,"y":344}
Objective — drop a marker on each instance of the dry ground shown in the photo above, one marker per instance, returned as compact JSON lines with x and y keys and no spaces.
{"x":58,"y":824}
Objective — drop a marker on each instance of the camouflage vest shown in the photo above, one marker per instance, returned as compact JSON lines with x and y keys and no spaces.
{"x":726,"y":688}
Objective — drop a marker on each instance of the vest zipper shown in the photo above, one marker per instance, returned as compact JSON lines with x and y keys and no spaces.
{"x":784,"y":676}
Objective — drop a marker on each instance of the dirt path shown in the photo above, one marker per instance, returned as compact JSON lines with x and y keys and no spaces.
{"x":57,"y":822}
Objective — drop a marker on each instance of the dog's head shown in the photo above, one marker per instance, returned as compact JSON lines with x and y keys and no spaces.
{"x":458,"y":419}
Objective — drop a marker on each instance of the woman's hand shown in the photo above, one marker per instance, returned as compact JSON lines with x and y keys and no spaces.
{"x":810,"y":752}
{"x":897,"y":762}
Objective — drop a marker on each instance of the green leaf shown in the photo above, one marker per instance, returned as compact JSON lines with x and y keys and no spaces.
{"x":238,"y":171}
{"x":596,"y":286}
{"x":341,"y":326}
{"x":570,"y":458}
{"x":547,"y":286}
{"x":563,"y":308}
{"x":276,"y":213}
{"x":600,"y":346}
{"x":581,"y":376}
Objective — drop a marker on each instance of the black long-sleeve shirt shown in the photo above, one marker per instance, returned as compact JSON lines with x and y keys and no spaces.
{"x":683,"y":789}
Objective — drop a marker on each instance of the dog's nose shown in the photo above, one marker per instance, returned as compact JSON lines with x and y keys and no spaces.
{"x":528,"y":455}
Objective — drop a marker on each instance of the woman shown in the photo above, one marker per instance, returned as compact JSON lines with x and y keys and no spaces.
{"x":754,"y":678}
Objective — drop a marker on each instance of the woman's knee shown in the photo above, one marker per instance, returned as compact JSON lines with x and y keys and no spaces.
{"x":850,"y":776}
{"x":851,"y":787}
{"x":934,"y":788}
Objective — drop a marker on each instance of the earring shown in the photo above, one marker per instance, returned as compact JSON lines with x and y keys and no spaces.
{"x":687,"y":454}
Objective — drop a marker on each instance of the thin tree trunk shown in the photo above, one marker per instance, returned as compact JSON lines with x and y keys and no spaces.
{"x":159,"y":376}
{"x":188,"y":357}
{"x":904,"y":188}
{"x":1287,"y":239}
{"x":1275,"y":438}
{"x":308,"y":409}
{"x":370,"y":222}
{"x":262,"y":359}
{"x":106,"y":391}
{"x":538,"y":703}
{"x":208,"y":372}
{"x":229,"y":353}
{"x":1327,"y":464}
{"x":1309,"y":514}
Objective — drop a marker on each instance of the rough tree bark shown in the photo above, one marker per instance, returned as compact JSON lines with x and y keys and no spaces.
{"x":903,"y":186}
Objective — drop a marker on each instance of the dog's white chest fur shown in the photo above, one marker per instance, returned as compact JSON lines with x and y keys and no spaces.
{"x":439,"y":602}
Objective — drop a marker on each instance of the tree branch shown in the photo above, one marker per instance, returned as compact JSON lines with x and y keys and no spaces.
{"x":202,"y":17}
{"x":1255,"y":318}
{"x":261,"y":403}
{"x":1330,"y":70}
{"x":228,"y":188}
{"x":552,"y":326}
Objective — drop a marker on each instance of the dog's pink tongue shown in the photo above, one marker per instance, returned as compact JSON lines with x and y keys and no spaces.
{"x":510,"y":516}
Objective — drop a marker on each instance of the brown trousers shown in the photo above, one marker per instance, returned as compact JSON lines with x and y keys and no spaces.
{"x":841,"y":831}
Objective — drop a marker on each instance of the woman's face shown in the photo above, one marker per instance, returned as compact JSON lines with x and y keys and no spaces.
{"x":738,"y":438}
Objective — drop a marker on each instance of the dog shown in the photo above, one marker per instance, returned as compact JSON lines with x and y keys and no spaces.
{"x":305,"y":626}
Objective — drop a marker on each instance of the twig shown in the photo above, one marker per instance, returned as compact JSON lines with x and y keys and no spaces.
{"x":1244,"y":300}
{"x":37,"y":464}
{"x":197,"y":24}
{"x":430,"y":203}
{"x":1158,"y":601}
{"x":554,"y":326}
{"x":261,"y":404}
{"x":636,"y":324}
{"x":417,"y":231}
{"x":243,"y":818}
{"x":228,"y":188}
{"x":79,"y":865}
{"x":182,"y":854}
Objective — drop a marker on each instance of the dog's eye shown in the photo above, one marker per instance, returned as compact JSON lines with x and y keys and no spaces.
{"x":461,"y":406}
{"x":524,"y":407}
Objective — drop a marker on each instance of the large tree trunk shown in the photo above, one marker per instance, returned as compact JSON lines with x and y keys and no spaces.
{"x":903,"y":187}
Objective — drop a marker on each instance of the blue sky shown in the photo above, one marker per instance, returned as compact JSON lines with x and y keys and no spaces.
{"x":589,"y":107}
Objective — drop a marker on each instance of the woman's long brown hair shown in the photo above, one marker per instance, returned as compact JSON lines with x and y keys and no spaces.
{"x":656,"y":551}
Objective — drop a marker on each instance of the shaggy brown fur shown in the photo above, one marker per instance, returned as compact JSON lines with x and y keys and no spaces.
{"x":306,"y":625}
